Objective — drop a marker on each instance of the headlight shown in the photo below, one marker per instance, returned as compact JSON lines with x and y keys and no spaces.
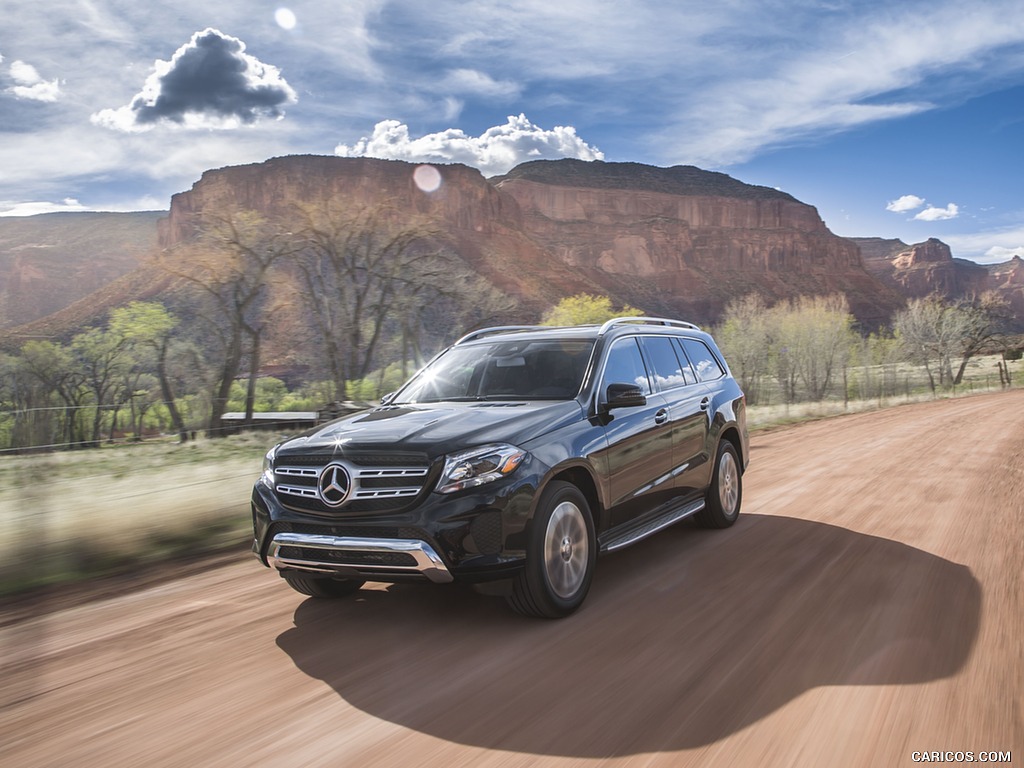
{"x":469,"y":469}
{"x":268,"y":467}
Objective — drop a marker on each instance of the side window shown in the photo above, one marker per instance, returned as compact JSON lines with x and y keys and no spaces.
{"x":704,"y":363}
{"x":625,"y":366}
{"x":666,"y":369}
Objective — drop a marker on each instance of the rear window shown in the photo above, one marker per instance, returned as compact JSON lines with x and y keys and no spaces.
{"x":703,"y":360}
{"x":667,"y":370}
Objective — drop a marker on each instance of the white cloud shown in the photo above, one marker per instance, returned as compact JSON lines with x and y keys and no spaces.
{"x":931,"y":213}
{"x":33,"y":208}
{"x":790,"y":89}
{"x":998,"y":254}
{"x":988,"y":247}
{"x":905,"y":203}
{"x":30,"y":85}
{"x":210,"y":82}
{"x":497,"y":150}
{"x":474,"y":82}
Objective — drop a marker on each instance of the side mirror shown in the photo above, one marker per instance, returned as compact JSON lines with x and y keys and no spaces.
{"x":624,"y":396}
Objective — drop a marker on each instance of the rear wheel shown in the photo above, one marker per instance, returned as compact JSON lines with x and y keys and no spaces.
{"x":322,"y":587}
{"x":722,"y":503}
{"x":559,"y":557}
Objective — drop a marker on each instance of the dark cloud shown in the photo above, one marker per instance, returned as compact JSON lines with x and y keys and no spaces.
{"x":210,"y":82}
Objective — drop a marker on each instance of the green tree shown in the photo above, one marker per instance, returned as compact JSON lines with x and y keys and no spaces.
{"x":585,"y":309}
{"x":103,"y":358}
{"x":148,"y":326}
{"x":54,"y":366}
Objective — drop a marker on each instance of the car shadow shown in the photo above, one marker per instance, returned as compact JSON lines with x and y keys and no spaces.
{"x":685,"y":638}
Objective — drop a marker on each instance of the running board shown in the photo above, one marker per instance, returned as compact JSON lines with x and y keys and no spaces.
{"x":635,"y":533}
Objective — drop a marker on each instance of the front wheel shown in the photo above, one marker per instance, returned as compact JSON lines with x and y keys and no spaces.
{"x":321,"y":587}
{"x":722,"y":502}
{"x":560,"y":555}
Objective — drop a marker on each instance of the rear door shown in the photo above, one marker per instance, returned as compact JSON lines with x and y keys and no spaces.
{"x":687,"y":403}
{"x":711,"y":380}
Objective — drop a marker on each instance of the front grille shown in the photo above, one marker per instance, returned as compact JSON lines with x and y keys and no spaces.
{"x":376,"y":482}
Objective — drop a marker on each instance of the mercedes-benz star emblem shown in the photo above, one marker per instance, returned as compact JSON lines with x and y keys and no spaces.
{"x":333,"y":485}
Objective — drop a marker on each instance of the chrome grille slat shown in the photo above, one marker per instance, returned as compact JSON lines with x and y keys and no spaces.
{"x":369,"y":484}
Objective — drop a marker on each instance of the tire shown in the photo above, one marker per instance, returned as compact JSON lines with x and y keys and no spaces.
{"x":321,"y":587}
{"x":560,"y":555}
{"x":725,"y":494}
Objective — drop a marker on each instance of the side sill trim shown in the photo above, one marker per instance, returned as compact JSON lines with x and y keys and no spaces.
{"x":634,"y":535}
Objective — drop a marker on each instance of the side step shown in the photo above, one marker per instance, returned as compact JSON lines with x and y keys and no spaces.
{"x":620,"y":538}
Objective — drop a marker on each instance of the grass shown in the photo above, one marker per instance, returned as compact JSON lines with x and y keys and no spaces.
{"x":82,"y":514}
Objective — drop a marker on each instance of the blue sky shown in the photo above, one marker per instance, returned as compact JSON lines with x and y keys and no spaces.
{"x":894,"y":120}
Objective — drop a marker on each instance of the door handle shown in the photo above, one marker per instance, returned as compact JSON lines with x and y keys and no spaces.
{"x":661,"y":416}
{"x":704,"y":403}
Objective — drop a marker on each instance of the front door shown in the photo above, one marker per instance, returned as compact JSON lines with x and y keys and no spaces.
{"x":639,"y":439}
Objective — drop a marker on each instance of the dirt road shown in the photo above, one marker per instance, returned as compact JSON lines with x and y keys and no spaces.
{"x":867,"y":606}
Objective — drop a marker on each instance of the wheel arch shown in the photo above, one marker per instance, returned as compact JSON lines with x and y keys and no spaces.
{"x":582,"y":479}
{"x":732,"y":434}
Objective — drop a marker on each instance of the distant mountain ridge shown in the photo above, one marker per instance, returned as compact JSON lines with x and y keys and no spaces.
{"x":680,"y":241}
{"x":54,"y":259}
{"x":676,"y":180}
{"x":929,"y":268}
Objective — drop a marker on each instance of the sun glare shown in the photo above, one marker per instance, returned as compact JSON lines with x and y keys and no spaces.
{"x":285,"y":18}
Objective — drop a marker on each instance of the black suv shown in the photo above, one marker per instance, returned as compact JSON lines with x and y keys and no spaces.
{"x":510,"y":461}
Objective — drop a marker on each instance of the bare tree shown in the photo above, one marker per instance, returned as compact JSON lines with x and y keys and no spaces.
{"x":364,"y":271}
{"x":230,"y":267}
{"x":744,"y":338}
{"x":934,"y":330}
{"x":983,"y":319}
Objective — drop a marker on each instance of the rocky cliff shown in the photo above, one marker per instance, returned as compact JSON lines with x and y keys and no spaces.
{"x":922,"y":269}
{"x":53,"y":259}
{"x":678,"y":240}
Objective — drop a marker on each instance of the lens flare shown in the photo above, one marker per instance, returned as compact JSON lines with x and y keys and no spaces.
{"x":427,"y":178}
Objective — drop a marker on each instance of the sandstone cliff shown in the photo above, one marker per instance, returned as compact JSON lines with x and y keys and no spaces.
{"x":923,"y":269}
{"x":678,"y":241}
{"x":671,"y":240}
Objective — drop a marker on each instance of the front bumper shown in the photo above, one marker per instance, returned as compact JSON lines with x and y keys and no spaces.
{"x":471,"y":536}
{"x":340,"y":555}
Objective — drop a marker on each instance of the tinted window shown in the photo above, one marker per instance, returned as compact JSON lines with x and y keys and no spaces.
{"x":666,"y":370}
{"x":502,"y":370}
{"x":625,"y":366}
{"x":704,"y":363}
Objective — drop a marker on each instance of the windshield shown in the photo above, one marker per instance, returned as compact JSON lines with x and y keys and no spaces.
{"x":551,"y":369}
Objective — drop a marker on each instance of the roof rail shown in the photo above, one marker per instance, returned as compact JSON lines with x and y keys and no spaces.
{"x":644,"y":321}
{"x":498,"y":329}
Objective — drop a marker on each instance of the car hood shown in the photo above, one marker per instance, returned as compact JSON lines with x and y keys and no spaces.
{"x":435,"y":429}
